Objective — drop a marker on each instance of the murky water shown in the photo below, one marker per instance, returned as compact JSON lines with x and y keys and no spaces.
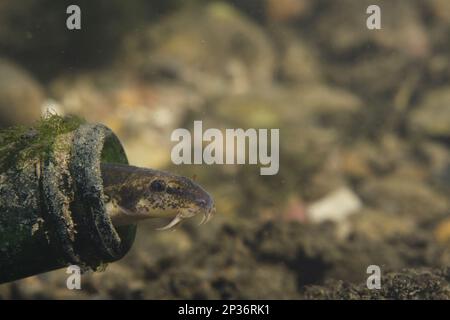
{"x":363,"y":157}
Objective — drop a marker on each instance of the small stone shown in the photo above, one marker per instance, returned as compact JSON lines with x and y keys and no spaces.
{"x":21,"y":96}
{"x":442,"y":232}
{"x":432,"y":117}
{"x":336,"y":206}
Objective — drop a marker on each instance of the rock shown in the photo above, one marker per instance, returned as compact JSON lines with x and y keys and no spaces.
{"x":271,"y":260}
{"x":118,"y":282}
{"x":437,"y":159}
{"x":358,"y":57}
{"x":432,"y":116}
{"x":214,"y":49}
{"x":316,"y":259}
{"x":327,"y":108}
{"x":142,"y":114}
{"x":83,"y":95}
{"x":286,"y":10}
{"x":228,"y":273}
{"x":342,"y":28}
{"x":298,"y":58}
{"x":409,"y":284}
{"x":336,"y":206}
{"x":329,"y":177}
{"x":311,"y":118}
{"x":21,"y":96}
{"x":295,"y":210}
{"x":257,"y":111}
{"x":378,"y":226}
{"x":363,"y":74}
{"x":365,"y":160}
{"x":440,"y":9}
{"x":442,"y":232}
{"x":28,"y":287}
{"x":408,"y":198}
{"x":438,"y":67}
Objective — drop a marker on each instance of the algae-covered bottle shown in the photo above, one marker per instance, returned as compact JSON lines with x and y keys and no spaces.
{"x":52,"y":211}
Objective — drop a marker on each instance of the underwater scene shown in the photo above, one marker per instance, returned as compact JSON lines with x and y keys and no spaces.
{"x":256,"y":149}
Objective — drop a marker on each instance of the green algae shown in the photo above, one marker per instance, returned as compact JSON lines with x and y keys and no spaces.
{"x":51,"y":198}
{"x":19,"y":144}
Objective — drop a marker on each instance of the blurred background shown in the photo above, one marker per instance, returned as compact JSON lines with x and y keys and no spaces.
{"x":364,"y":120}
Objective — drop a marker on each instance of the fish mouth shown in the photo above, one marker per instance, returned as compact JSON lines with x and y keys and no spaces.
{"x":208,"y":214}
{"x":172,"y":224}
{"x":183,"y":214}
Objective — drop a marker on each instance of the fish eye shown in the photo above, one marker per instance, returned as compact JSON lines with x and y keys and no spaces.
{"x":157,"y":186}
